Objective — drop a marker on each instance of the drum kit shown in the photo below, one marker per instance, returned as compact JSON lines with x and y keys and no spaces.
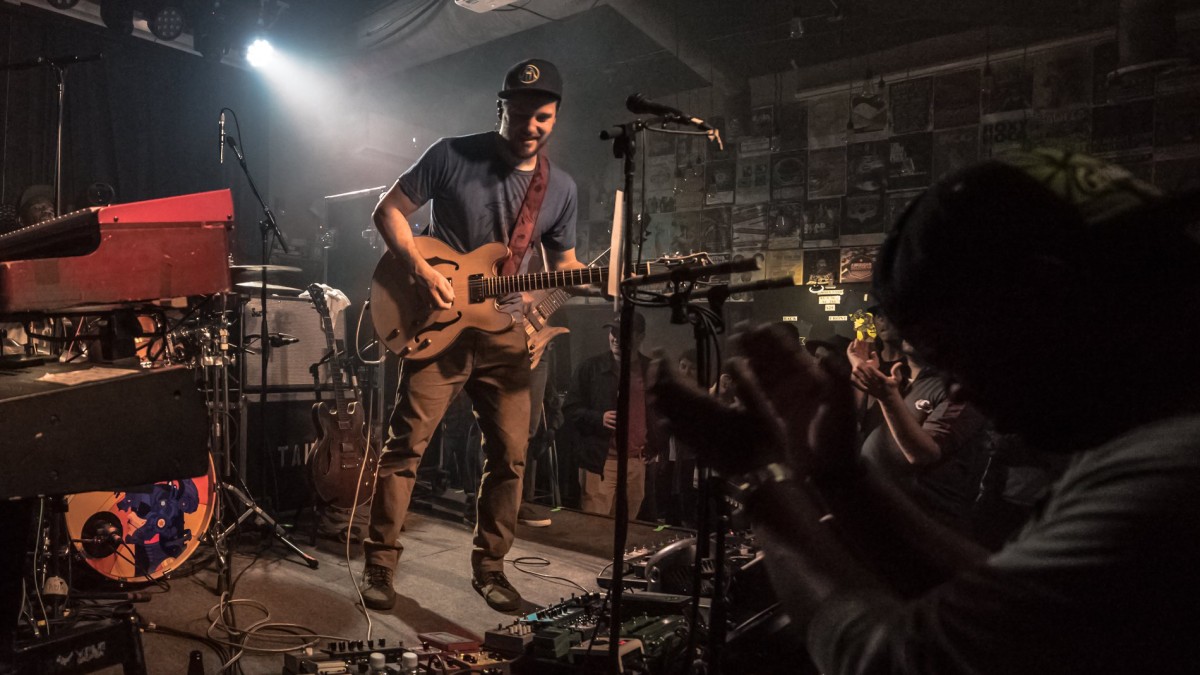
{"x":144,"y":533}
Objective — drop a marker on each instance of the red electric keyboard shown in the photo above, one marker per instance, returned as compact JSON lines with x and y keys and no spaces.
{"x":128,"y":253}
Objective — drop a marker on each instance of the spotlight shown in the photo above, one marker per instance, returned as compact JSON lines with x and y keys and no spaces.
{"x":166,"y":22}
{"x":117,"y":16}
{"x":62,"y":4}
{"x":260,"y":53}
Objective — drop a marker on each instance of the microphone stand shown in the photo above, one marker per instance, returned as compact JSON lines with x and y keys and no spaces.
{"x":59,"y":66}
{"x":625,"y":148}
{"x":269,"y":229}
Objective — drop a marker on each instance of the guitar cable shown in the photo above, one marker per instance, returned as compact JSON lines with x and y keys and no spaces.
{"x":370,"y":423}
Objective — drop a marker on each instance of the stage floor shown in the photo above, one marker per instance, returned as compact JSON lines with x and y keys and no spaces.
{"x":433,"y":582}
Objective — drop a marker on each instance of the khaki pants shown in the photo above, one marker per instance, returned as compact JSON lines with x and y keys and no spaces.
{"x":598,"y":490}
{"x":494,"y":370}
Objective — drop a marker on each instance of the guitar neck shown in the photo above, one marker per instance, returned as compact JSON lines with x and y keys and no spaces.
{"x":521,"y":283}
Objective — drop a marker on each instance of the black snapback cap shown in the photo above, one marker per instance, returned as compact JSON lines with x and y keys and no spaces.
{"x":533,"y":75}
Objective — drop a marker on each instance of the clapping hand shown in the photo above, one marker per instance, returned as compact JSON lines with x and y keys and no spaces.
{"x":791,"y":408}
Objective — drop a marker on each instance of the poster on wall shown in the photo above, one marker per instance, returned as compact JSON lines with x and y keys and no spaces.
{"x":660,"y":184}
{"x":749,"y":227}
{"x":1122,"y":127}
{"x":1062,"y":77}
{"x":864,"y":220}
{"x":897,"y":203}
{"x":910,"y":161}
{"x":912,"y":103}
{"x":685,"y":233}
{"x":821,"y":266}
{"x":822,"y":223}
{"x":857,"y":264}
{"x":660,"y":144}
{"x":789,"y":175}
{"x":762,"y":121}
{"x":689,"y":187}
{"x":869,"y":112}
{"x":754,"y":176}
{"x":719,"y":182}
{"x":1066,"y":128}
{"x":867,"y":165}
{"x":760,"y":258}
{"x":781,"y":264}
{"x":1010,"y":87}
{"x":660,"y":228}
{"x":715,"y":233}
{"x":792,"y":123}
{"x":827,"y":173}
{"x":784,"y":224}
{"x":956,"y":99}
{"x":827,"y":118}
{"x":691,"y":151}
{"x":999,"y":137}
{"x":954,"y":149}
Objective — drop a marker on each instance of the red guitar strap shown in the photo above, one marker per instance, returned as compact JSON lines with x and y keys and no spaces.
{"x":522,"y":234}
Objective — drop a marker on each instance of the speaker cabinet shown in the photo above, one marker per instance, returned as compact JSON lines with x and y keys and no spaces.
{"x":277,"y":474}
{"x":288,"y":366}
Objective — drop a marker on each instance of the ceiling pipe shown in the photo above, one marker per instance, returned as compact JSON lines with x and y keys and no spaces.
{"x":1146,"y":38}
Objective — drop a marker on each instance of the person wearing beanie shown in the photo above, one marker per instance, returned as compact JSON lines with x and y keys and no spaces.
{"x":1014,"y":277}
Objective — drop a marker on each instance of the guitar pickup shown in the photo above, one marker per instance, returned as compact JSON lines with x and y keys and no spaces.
{"x":476,"y":288}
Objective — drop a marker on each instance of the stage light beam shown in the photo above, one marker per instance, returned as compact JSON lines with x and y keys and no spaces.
{"x":260,"y":53}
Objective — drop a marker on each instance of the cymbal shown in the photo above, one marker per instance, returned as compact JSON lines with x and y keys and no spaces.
{"x":262,"y":268}
{"x":256,"y":285}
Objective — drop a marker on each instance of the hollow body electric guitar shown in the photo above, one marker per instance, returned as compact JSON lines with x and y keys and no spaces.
{"x":337,"y":464}
{"x":418,"y":332}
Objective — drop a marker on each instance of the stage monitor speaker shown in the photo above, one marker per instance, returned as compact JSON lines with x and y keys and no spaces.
{"x":288,"y":367}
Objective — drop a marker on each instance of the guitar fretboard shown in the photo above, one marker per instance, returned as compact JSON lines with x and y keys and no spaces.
{"x":491,"y":287}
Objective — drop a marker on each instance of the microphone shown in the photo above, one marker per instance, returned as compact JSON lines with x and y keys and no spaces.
{"x":640,"y":105}
{"x":692,"y":272}
{"x":280,"y":339}
{"x":222,"y":137}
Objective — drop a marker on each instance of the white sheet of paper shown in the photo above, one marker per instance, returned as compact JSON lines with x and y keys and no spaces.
{"x":615,"y":260}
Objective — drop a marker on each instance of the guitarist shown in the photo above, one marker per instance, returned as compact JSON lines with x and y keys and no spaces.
{"x":493,"y":186}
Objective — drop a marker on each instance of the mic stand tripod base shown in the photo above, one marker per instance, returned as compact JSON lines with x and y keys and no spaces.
{"x":253,"y":509}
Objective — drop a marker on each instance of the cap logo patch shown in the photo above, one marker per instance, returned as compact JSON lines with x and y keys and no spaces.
{"x":530,"y":74}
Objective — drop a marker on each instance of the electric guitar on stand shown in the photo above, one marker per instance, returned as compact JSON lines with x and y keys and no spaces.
{"x":416,"y":331}
{"x":343,"y":465}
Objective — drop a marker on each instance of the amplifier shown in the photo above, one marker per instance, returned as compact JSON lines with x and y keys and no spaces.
{"x":289,"y":365}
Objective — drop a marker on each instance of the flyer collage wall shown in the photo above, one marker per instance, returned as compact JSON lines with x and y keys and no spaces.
{"x":810,"y":187}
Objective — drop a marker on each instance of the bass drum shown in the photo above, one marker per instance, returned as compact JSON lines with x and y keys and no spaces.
{"x":142,"y":533}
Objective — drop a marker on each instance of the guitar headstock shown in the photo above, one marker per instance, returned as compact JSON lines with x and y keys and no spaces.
{"x":316,"y":293}
{"x":668,"y":261}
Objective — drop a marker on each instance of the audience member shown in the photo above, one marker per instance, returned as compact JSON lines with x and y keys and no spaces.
{"x":591,"y":406}
{"x":929,"y":443}
{"x":36,"y":205}
{"x":1034,"y":248}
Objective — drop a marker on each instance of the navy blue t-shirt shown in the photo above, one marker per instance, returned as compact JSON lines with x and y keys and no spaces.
{"x":477,"y":196}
